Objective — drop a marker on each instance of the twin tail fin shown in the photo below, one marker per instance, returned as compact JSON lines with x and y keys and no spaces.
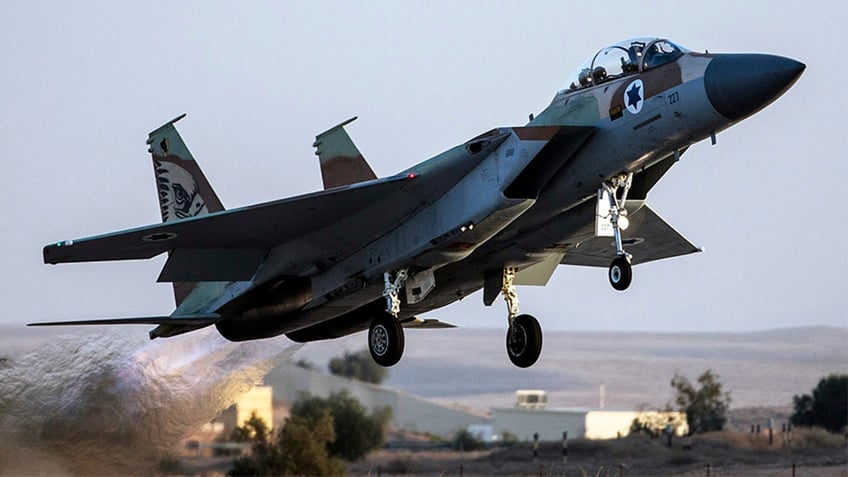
{"x":182,"y":188}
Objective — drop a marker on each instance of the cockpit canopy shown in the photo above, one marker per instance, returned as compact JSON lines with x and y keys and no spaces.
{"x":623,"y":59}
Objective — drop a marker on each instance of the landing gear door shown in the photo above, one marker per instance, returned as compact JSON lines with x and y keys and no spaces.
{"x":603,"y":224}
{"x":419,"y":286}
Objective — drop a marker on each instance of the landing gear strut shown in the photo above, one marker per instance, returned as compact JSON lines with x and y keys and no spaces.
{"x":524,"y":335}
{"x":620,"y":271}
{"x":385,"y":335}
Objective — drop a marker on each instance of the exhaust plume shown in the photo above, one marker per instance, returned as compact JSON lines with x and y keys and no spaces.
{"x":113,"y":403}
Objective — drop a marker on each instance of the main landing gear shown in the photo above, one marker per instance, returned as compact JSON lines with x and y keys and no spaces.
{"x":524,"y":336}
{"x":620,"y":270}
{"x":385,"y":335}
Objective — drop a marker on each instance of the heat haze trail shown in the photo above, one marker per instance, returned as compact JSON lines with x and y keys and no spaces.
{"x":114,"y":402}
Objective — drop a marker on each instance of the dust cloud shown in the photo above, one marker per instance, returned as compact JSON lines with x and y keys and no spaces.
{"x":114,"y":403}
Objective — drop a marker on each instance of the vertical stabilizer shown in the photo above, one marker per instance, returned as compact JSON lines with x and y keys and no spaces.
{"x":181,"y":186}
{"x":341,"y":162}
{"x":183,"y":189}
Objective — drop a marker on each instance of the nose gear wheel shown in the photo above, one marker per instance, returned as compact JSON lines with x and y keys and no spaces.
{"x":620,"y":273}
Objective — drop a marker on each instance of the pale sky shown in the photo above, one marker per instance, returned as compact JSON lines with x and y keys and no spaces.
{"x":81,"y":85}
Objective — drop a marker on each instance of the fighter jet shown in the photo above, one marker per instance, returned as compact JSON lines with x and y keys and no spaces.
{"x":503,"y":209}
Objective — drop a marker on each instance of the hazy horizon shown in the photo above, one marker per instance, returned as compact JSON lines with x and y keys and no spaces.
{"x":469,"y":366}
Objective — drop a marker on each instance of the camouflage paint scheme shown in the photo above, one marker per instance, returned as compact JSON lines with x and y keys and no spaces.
{"x":504,"y":208}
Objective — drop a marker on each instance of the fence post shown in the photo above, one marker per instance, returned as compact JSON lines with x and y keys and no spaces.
{"x":771,"y":431}
{"x":535,"y":446}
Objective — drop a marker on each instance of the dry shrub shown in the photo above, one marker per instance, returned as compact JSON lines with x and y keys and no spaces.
{"x":743,"y":441}
{"x":801,"y":438}
{"x":815,"y":438}
{"x":403,"y":465}
{"x":683,"y":458}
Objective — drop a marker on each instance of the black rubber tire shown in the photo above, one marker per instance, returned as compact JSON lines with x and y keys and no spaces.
{"x":385,"y":340}
{"x":524,"y":341}
{"x":620,"y":274}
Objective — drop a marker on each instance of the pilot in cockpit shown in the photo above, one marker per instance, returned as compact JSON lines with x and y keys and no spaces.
{"x":634,"y":53}
{"x":660,"y":53}
{"x":626,"y":58}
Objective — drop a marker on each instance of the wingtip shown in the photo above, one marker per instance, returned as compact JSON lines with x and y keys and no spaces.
{"x":340,"y":125}
{"x":169,"y":123}
{"x":50,"y":252}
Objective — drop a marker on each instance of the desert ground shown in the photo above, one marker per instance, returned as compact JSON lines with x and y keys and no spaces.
{"x":95,"y":400}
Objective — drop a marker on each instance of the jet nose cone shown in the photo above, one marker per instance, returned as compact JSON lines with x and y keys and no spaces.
{"x":738,"y":85}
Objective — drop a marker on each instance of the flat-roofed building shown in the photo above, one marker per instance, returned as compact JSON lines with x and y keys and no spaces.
{"x":550,"y":423}
{"x":532,"y":416}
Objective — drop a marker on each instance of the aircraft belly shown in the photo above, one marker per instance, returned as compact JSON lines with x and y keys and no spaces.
{"x":444,"y":232}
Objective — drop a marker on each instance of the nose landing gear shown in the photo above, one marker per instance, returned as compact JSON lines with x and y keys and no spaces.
{"x":620,"y":271}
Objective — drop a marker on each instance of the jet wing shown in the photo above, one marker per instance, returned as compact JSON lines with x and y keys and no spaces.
{"x":648,"y":238}
{"x":257,"y":227}
{"x":231,"y":245}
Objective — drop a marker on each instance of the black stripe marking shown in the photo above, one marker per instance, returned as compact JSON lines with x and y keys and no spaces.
{"x":647,"y":122}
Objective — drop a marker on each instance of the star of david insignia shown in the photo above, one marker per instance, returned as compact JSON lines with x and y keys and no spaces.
{"x":633,"y":96}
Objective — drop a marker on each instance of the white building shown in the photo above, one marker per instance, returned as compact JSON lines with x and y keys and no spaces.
{"x":531,"y":416}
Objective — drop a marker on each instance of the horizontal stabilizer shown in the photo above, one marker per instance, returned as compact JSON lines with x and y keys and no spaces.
{"x":425,"y":323}
{"x":185,"y":320}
